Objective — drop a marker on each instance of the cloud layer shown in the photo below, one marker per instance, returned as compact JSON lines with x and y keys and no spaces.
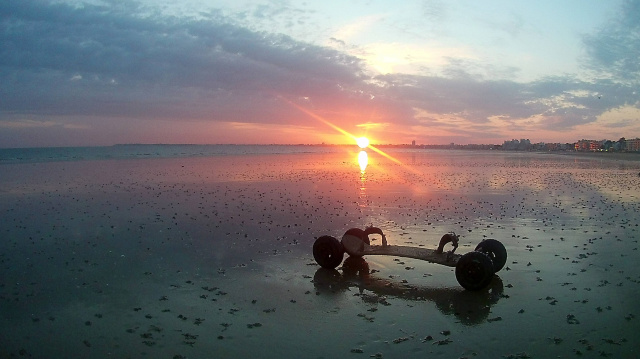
{"x":101,"y":74}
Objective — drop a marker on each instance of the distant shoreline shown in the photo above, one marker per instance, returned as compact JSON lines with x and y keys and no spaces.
{"x":140,"y":151}
{"x":617,"y":156}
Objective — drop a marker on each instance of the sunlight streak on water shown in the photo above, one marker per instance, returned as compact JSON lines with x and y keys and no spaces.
{"x":363,"y":160}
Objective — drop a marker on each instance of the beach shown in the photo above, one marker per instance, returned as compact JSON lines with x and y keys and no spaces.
{"x":202,"y":256}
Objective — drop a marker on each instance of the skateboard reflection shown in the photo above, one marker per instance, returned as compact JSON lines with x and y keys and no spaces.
{"x":469,"y":307}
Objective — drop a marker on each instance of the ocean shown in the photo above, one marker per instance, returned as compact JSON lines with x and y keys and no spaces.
{"x":140,"y":151}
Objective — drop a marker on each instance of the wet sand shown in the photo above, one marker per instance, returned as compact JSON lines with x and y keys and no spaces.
{"x":211,"y":257}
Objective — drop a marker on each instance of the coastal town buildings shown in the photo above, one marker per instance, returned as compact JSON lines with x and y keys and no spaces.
{"x":632,"y":145}
{"x":584,"y":145}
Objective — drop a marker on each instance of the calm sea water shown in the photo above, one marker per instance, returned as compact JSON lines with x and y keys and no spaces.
{"x":410,"y":155}
{"x":48,"y":154}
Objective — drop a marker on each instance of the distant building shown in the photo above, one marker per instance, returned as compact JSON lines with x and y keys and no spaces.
{"x":413,"y":143}
{"x":588,"y":145}
{"x":582,"y":145}
{"x":632,"y":145}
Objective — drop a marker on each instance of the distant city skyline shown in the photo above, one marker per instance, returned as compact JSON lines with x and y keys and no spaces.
{"x":414,"y":143}
{"x":96,"y":73}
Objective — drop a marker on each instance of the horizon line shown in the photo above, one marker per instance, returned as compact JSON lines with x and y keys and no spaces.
{"x":452,"y":144}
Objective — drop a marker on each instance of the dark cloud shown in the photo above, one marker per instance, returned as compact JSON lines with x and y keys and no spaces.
{"x":57,"y":58}
{"x":615,"y":49}
{"x":478,"y":99}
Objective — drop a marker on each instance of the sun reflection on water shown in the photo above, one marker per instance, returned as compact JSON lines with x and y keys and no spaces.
{"x":363,"y":161}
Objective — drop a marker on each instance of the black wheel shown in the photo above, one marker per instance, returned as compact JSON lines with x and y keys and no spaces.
{"x":474,"y":271}
{"x":353,"y":241}
{"x":328,"y":252}
{"x":358,"y":233}
{"x":495,"y":250}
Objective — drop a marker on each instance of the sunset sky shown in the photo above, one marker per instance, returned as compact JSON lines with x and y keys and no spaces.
{"x":259,"y":72}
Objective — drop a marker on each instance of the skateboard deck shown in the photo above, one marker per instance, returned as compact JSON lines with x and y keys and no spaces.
{"x":355,"y":246}
{"x":425,"y":254}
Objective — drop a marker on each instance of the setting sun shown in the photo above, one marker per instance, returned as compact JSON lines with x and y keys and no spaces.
{"x":362,"y":142}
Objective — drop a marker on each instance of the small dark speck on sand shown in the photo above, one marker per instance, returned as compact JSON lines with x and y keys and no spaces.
{"x":400,"y":340}
{"x":571,"y":319}
{"x":522,"y":355}
{"x":443,"y":341}
{"x":428,"y":338}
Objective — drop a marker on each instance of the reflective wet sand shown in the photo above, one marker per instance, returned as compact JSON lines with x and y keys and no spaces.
{"x":211,"y":257}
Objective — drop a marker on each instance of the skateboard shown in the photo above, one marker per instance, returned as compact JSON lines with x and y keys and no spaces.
{"x":473,"y":270}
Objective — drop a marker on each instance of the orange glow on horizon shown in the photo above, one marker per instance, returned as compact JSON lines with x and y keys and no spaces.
{"x":319,"y":118}
{"x":344,"y":132}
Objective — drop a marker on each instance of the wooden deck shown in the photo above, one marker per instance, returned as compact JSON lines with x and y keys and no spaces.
{"x":424,"y":254}
{"x":356,"y":247}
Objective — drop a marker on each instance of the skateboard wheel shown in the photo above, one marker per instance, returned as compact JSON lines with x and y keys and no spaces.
{"x":353,"y":242}
{"x":354,"y":246}
{"x":474,"y":271}
{"x":358,"y":233}
{"x":495,"y":250}
{"x":328,"y":252}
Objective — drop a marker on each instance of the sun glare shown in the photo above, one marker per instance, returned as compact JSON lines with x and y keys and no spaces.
{"x":362,"y":142}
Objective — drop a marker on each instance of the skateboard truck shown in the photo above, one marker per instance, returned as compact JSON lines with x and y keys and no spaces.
{"x":474,"y":270}
{"x":449,"y":237}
